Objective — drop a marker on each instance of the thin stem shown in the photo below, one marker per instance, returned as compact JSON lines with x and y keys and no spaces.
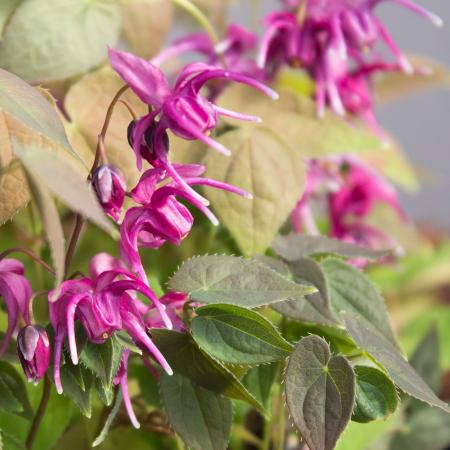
{"x":132,"y":112}
{"x":29,"y":253}
{"x":198,"y":15}
{"x":39,"y":414}
{"x":99,"y":154}
{"x":79,"y":221}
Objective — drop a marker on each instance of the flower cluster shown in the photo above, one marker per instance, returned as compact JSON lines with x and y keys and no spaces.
{"x":335,"y":41}
{"x":116,"y":295}
{"x":348,"y":191}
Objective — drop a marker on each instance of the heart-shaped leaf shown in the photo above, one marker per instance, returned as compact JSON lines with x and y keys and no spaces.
{"x":264,"y":165}
{"x":201,"y":417}
{"x":59,"y":38}
{"x":236,"y":281}
{"x":376,"y":396}
{"x":320,"y":392}
{"x":237,"y":335}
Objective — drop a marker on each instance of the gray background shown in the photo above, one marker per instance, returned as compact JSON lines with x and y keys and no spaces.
{"x":420,"y":123}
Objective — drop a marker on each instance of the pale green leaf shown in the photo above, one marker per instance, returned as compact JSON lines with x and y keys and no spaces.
{"x":260,"y":380}
{"x":57,"y":39}
{"x":264,"y":165}
{"x":63,"y":179}
{"x":320,"y":392}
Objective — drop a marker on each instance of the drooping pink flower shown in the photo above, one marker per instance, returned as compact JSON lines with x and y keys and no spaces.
{"x":110,"y":186}
{"x":104,"y":304}
{"x":328,"y":38}
{"x":33,"y":348}
{"x":232,"y":52}
{"x":345,"y":191}
{"x":16,"y":292}
{"x":161,"y":217}
{"x":180,"y":108}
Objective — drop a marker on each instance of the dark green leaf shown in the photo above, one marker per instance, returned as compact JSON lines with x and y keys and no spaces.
{"x":201,"y":417}
{"x":109,"y":420}
{"x":77,"y":383}
{"x":237,"y":335}
{"x":103,"y":359}
{"x":259,"y":382}
{"x":188,"y":360}
{"x":320,"y":392}
{"x":425,"y":359}
{"x":429,"y":429}
{"x":350,"y":291}
{"x":402,"y":374}
{"x":376,"y":396}
{"x":293,"y":247}
{"x":233,"y":280}
{"x":13,"y":394}
{"x":314,"y":308}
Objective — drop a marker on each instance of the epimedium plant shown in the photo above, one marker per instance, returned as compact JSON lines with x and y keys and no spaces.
{"x":271,"y":313}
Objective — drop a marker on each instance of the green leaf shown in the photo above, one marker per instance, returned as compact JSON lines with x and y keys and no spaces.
{"x":390,"y":85}
{"x":374,"y":342}
{"x":7,"y":8}
{"x":66,"y":182}
{"x":13,"y":394}
{"x":428,"y":429}
{"x":109,"y":420}
{"x":77,"y":383}
{"x":293,"y":247}
{"x":425,"y":359}
{"x":201,"y":417}
{"x":260,"y":380}
{"x":352,"y":292}
{"x":314,"y":308}
{"x":59,"y":38}
{"x":376,"y":397}
{"x":51,"y":223}
{"x":320,"y":392}
{"x":103,"y":359}
{"x":294,"y":115}
{"x":188,"y":360}
{"x":237,"y":335}
{"x":29,"y":107}
{"x":264,"y":165}
{"x":234,"y":280}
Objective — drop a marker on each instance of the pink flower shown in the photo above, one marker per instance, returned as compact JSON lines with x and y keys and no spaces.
{"x":33,"y":348}
{"x":16,"y":291}
{"x":233,"y":50}
{"x":110,"y":186}
{"x":328,"y":38}
{"x":347,"y":191}
{"x":161,"y":217}
{"x":104,"y":304}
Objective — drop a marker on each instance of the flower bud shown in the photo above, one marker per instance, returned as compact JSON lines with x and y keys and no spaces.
{"x":33,"y":348}
{"x":109,"y":185}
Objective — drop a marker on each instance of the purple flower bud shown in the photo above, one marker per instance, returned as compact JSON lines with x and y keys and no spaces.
{"x":33,"y":347}
{"x":109,"y":185}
